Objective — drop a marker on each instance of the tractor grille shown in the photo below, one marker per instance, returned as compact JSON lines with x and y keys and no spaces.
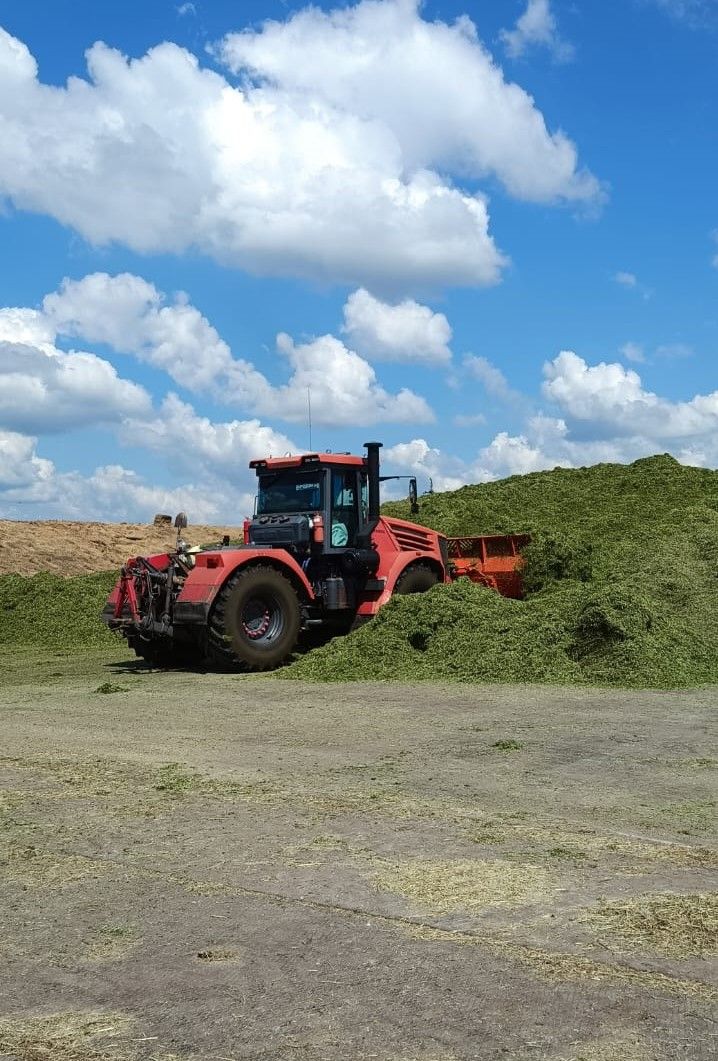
{"x":412,"y":539}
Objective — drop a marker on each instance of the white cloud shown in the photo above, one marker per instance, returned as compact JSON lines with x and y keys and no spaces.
{"x":20,"y":467}
{"x":535,"y":27}
{"x":491,"y":378}
{"x":611,"y":397}
{"x":46,"y":389}
{"x":633,"y":352}
{"x":344,"y":388}
{"x":337,"y":156}
{"x":21,"y":325}
{"x":194,"y":444}
{"x":544,"y":443}
{"x":433,"y":85}
{"x":405,"y":332}
{"x":631,"y":283}
{"x":129,"y":314}
{"x":57,"y":391}
{"x":426,"y":462}
{"x":32,"y":488}
{"x":271,"y":181}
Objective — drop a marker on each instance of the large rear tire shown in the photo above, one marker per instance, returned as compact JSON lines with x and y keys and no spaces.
{"x":254,"y":625}
{"x":416,"y":579}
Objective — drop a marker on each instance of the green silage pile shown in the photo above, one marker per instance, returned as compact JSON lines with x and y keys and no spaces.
{"x":622,"y":578}
{"x":55,"y":612}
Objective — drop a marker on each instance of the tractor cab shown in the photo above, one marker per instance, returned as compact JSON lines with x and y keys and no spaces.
{"x":314,"y":504}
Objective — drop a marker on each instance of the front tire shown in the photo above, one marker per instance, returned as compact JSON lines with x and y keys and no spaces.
{"x":255,"y":622}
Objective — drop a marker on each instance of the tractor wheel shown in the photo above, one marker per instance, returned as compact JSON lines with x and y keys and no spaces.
{"x":255,"y":622}
{"x":416,"y":579}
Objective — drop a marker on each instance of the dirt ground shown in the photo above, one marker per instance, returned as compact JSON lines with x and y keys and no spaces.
{"x":207,"y":866}
{"x":65,"y":547}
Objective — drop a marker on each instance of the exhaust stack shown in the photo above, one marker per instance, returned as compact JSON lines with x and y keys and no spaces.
{"x":372,"y":460}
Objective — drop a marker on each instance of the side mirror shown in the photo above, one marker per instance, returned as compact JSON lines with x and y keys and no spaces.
{"x":413,"y":495}
{"x":180,"y":521}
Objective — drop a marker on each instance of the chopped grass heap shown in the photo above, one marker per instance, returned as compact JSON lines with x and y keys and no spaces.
{"x":621,"y":579}
{"x":54,"y":612}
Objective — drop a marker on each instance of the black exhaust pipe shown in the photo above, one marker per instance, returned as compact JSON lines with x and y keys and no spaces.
{"x":372,"y":463}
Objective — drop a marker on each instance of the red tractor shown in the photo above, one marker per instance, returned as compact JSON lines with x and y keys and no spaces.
{"x":317,"y":553}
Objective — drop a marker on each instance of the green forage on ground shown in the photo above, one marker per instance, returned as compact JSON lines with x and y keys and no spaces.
{"x":622,"y":577}
{"x":57,"y":612}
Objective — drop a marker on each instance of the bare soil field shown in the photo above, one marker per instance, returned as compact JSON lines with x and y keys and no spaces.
{"x":208,"y":866}
{"x":66,"y":547}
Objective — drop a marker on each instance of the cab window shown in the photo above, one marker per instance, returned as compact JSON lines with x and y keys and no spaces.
{"x":345,"y":515}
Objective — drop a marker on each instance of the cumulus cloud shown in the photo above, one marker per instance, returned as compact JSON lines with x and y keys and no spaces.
{"x":534,"y":28}
{"x":193,"y":444}
{"x":46,"y":389}
{"x":611,"y":397}
{"x":343,"y":387}
{"x":271,"y":181}
{"x":606,"y":415}
{"x":544,"y":442}
{"x":129,"y":314}
{"x":407,"y":331}
{"x":336,"y":155}
{"x":419,"y":458}
{"x":31,"y":487}
{"x":20,"y":467}
{"x":433,"y":85}
{"x":47,"y":392}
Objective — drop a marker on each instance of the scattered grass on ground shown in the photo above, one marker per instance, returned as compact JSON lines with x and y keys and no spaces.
{"x":33,"y":867}
{"x":64,"y":1037}
{"x":559,"y":967}
{"x":446,"y":885}
{"x":615,"y":1048}
{"x":677,"y":926}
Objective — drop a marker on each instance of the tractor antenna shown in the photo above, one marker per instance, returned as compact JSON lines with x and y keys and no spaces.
{"x":309,"y":416}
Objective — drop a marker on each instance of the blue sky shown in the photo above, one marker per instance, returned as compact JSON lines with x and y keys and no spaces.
{"x":486,"y":234}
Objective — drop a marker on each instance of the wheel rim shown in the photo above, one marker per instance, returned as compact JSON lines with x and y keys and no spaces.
{"x":261,"y":620}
